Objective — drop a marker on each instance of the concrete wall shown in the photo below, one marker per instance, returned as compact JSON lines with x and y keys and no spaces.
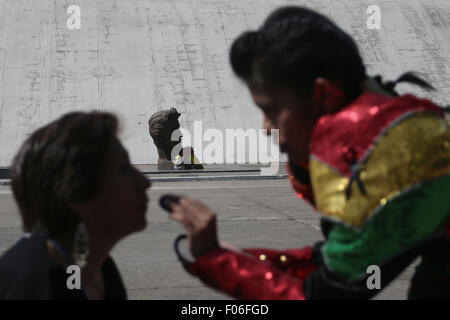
{"x":137,"y":57}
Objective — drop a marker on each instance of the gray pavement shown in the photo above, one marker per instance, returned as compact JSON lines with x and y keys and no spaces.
{"x":250,"y":213}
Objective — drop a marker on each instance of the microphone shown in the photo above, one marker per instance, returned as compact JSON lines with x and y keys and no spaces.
{"x":166,"y":200}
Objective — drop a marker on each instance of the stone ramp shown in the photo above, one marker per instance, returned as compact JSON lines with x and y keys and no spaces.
{"x":134,"y":58}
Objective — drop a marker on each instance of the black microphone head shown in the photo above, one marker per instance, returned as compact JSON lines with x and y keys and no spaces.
{"x":166,"y":200}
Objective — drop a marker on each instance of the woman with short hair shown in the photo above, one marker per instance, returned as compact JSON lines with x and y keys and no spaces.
{"x":78,"y":195}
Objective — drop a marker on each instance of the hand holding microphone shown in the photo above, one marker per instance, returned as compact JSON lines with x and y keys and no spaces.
{"x":198,"y":220}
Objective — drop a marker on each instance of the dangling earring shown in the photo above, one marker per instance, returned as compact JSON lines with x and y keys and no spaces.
{"x":81,"y":245}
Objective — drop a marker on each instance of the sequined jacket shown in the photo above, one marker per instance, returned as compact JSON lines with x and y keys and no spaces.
{"x":379,"y":173}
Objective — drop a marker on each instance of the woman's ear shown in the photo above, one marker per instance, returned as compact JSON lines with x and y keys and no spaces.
{"x":328,"y":95}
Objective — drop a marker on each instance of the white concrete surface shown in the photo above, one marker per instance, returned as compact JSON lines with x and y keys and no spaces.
{"x":135,"y":57}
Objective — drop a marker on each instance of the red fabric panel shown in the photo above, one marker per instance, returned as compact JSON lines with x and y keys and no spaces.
{"x":245,"y":277}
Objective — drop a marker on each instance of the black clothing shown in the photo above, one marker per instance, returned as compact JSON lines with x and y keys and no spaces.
{"x":28,"y":272}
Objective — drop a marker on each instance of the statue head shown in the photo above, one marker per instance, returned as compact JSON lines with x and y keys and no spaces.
{"x":161,"y":126}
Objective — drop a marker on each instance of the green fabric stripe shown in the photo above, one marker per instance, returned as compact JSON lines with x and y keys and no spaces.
{"x":401,"y":223}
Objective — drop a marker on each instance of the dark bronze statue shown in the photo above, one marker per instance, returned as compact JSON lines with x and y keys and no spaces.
{"x":161,"y":125}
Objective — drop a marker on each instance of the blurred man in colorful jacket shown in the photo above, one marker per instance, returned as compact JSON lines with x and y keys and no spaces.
{"x":375,"y":164}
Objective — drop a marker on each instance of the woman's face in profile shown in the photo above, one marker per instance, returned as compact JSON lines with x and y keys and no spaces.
{"x":121,"y":205}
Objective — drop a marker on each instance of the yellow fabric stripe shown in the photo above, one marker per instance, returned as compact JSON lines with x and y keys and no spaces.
{"x":414,"y":150}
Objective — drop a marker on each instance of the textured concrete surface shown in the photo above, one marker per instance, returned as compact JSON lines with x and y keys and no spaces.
{"x":135,"y":57}
{"x":251,"y":214}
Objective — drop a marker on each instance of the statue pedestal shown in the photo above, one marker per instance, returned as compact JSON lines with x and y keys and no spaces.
{"x":164,"y":164}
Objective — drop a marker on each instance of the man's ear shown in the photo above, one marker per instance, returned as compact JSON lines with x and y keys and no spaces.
{"x":328,"y":94}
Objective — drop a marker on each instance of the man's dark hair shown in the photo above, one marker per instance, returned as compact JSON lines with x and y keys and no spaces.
{"x":295,"y":46}
{"x":59,"y":163}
